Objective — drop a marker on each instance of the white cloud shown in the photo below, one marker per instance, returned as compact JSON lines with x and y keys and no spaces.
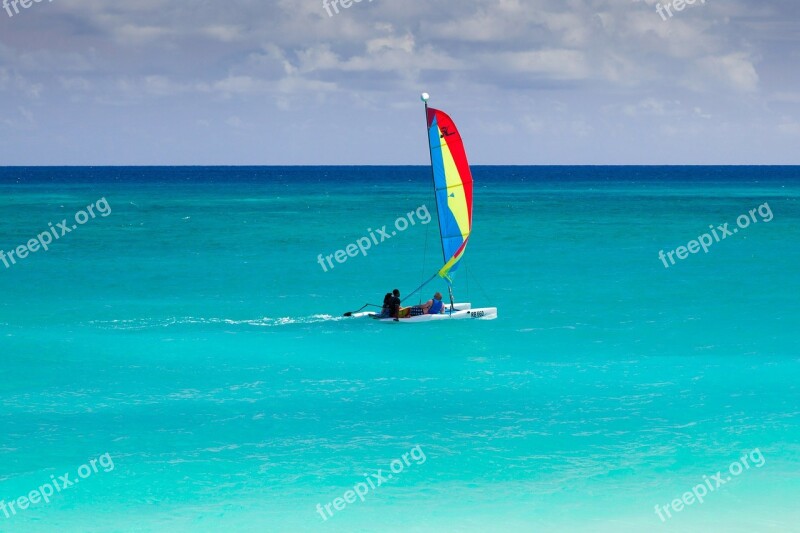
{"x":736,"y":70}
{"x":789,"y":126}
{"x":530,"y":66}
{"x":556,"y":64}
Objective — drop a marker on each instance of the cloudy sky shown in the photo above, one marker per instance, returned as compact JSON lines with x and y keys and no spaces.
{"x":124,"y":82}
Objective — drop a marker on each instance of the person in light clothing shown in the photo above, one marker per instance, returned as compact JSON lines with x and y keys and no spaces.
{"x":433,"y":306}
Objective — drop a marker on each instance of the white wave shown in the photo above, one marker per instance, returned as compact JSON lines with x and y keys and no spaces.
{"x":153,"y":323}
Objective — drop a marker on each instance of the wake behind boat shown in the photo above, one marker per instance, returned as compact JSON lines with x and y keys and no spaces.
{"x":453,"y":189}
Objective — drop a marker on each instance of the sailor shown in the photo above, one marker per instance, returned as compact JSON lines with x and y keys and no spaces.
{"x":386,"y":310}
{"x":433,"y":306}
{"x":394,"y":305}
{"x":436,"y":305}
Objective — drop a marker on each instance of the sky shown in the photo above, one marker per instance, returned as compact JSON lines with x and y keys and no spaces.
{"x":291,"y":82}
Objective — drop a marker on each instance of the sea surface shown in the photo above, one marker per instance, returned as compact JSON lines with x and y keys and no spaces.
{"x":192,"y":338}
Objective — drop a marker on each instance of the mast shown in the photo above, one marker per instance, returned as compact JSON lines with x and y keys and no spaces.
{"x":425,"y":97}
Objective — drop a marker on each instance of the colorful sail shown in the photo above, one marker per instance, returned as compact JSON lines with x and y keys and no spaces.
{"x":453,"y":185}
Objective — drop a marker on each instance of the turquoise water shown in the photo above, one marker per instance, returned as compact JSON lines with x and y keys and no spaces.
{"x":192,"y":336}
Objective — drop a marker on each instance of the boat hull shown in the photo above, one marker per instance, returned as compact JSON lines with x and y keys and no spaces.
{"x":462,"y":311}
{"x":482,"y":313}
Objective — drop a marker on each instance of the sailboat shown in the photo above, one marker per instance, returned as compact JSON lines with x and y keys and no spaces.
{"x":453,"y":189}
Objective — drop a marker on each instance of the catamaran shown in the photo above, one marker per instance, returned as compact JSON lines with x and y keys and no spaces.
{"x":452,"y":183}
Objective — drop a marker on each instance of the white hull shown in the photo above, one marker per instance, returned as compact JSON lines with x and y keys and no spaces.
{"x":461,"y":311}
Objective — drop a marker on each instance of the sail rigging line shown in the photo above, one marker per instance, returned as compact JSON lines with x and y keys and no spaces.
{"x":466,"y":270}
{"x":351,"y":313}
{"x":485,"y":294}
{"x":424,"y":260}
{"x":415,"y":291}
{"x":428,"y":124}
{"x":433,"y":175}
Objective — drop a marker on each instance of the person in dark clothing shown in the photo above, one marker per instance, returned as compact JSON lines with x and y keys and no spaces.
{"x":386,"y":310}
{"x":394,"y":305}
